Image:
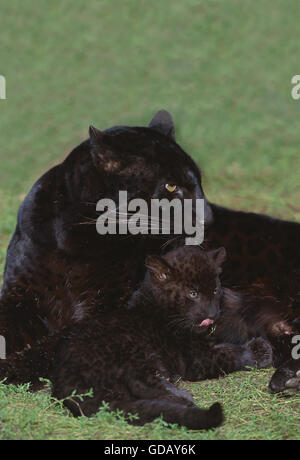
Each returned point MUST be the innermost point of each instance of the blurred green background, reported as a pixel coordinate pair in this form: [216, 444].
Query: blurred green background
[223, 68]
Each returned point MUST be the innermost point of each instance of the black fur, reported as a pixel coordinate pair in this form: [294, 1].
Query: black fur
[130, 359]
[59, 271]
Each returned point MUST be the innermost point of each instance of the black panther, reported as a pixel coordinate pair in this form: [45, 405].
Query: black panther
[59, 270]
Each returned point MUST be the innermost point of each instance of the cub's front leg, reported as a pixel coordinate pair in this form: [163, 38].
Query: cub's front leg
[226, 358]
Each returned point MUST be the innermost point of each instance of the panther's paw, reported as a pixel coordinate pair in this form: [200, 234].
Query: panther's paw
[294, 383]
[286, 378]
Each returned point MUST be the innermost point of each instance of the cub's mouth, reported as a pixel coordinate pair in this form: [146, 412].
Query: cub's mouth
[206, 322]
[205, 326]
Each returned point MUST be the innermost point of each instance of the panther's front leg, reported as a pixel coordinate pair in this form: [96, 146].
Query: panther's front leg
[28, 365]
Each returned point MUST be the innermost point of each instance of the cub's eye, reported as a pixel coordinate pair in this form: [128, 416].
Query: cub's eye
[216, 291]
[192, 295]
[171, 188]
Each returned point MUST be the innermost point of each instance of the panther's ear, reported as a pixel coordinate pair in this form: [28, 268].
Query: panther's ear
[218, 256]
[102, 155]
[163, 123]
[158, 268]
[96, 136]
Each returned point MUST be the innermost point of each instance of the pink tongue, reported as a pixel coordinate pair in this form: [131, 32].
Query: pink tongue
[207, 322]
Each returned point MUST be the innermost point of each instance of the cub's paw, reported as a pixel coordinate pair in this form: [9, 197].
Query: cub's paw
[215, 414]
[286, 378]
[258, 353]
[203, 419]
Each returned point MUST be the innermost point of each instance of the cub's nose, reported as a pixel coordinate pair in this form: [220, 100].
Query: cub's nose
[213, 312]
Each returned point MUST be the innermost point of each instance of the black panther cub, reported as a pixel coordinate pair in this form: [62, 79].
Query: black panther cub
[130, 359]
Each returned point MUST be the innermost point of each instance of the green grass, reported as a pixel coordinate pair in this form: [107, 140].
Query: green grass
[223, 69]
[250, 411]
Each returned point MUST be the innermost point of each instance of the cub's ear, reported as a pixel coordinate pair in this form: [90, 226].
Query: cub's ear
[218, 256]
[158, 268]
[163, 123]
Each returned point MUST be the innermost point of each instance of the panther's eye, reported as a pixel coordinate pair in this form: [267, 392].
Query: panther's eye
[171, 188]
[192, 294]
[216, 291]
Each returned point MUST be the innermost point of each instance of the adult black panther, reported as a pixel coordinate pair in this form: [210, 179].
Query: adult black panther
[59, 270]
